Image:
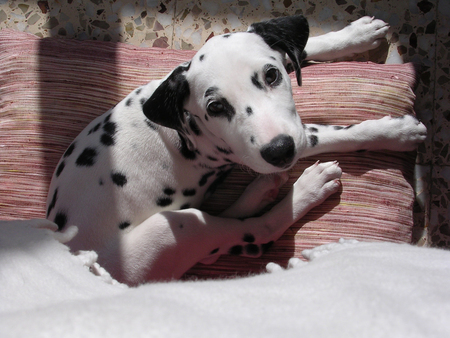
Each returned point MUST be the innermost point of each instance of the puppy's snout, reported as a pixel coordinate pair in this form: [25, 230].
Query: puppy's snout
[279, 151]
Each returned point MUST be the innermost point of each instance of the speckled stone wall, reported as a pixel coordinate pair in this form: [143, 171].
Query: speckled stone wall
[420, 32]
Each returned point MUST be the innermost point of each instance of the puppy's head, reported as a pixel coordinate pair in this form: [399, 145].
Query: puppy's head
[238, 92]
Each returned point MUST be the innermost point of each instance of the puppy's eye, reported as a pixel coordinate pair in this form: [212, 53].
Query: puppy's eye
[272, 76]
[216, 107]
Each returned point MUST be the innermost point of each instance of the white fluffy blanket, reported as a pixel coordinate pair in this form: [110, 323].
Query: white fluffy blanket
[347, 289]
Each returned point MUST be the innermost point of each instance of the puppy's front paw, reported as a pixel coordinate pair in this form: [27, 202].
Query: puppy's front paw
[403, 133]
[364, 34]
[317, 183]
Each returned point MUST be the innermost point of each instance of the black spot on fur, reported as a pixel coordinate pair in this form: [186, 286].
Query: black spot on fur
[189, 192]
[69, 150]
[252, 139]
[214, 251]
[348, 127]
[107, 118]
[236, 250]
[206, 117]
[256, 82]
[151, 125]
[142, 102]
[249, 238]
[107, 140]
[124, 225]
[313, 140]
[224, 167]
[221, 176]
[169, 191]
[60, 220]
[53, 202]
[224, 151]
[185, 151]
[205, 177]
[110, 128]
[87, 158]
[100, 182]
[252, 249]
[164, 201]
[118, 179]
[194, 126]
[138, 91]
[93, 130]
[265, 247]
[249, 111]
[185, 206]
[226, 36]
[338, 127]
[211, 158]
[313, 130]
[129, 102]
[60, 168]
[201, 57]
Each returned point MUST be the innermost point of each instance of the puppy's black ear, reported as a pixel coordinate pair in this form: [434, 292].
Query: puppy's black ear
[165, 106]
[288, 34]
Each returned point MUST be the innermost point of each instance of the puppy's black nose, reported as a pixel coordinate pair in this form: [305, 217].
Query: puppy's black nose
[279, 151]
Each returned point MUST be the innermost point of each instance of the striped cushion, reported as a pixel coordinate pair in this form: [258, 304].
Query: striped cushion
[50, 89]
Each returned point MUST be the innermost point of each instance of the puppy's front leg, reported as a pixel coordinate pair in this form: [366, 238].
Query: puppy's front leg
[169, 243]
[361, 35]
[399, 134]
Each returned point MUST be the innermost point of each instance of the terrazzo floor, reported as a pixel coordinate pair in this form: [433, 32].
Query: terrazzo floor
[420, 32]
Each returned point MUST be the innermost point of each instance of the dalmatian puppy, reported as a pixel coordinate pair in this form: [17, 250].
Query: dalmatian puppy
[133, 180]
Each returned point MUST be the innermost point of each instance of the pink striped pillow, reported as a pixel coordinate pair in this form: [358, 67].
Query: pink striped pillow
[50, 90]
